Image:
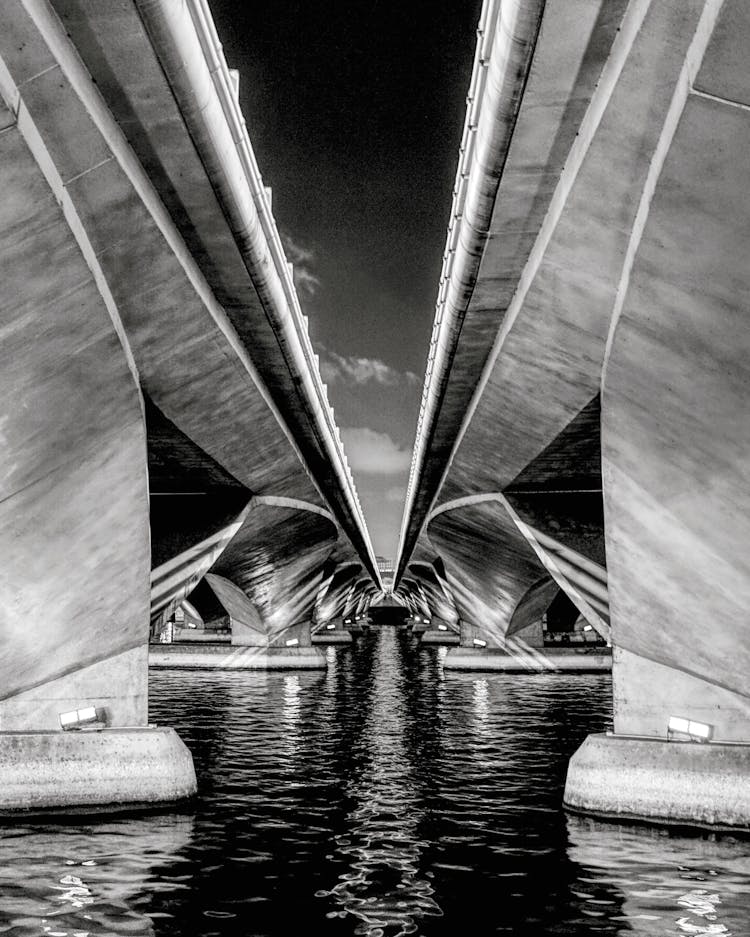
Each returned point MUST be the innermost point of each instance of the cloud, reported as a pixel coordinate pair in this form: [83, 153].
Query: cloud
[396, 495]
[303, 260]
[374, 453]
[351, 369]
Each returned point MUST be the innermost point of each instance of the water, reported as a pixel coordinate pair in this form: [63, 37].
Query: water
[381, 798]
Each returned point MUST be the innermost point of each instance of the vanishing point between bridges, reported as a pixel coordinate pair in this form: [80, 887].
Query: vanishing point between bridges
[220, 711]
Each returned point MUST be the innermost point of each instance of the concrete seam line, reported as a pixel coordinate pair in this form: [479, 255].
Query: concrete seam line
[691, 64]
[26, 127]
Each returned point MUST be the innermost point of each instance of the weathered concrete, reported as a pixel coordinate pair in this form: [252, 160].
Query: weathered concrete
[530, 660]
[221, 657]
[703, 784]
[91, 768]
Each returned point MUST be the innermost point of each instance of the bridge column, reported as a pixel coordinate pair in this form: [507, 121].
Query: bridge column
[335, 632]
[675, 445]
[74, 524]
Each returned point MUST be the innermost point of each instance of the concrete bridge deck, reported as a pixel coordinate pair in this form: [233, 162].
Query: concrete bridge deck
[582, 430]
[164, 411]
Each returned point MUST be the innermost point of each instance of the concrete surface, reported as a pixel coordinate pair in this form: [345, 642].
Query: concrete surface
[691, 783]
[108, 768]
[530, 660]
[221, 657]
[435, 636]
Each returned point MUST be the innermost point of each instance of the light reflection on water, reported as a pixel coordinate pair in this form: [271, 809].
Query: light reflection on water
[380, 798]
[383, 887]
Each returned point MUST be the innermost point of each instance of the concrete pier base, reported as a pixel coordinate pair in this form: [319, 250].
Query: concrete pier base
[543, 660]
[224, 657]
[685, 783]
[337, 636]
[434, 636]
[107, 768]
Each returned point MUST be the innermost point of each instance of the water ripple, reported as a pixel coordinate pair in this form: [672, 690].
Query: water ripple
[380, 798]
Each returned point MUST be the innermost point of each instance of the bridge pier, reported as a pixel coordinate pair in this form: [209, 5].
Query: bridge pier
[335, 632]
[74, 527]
[440, 632]
[675, 475]
[252, 645]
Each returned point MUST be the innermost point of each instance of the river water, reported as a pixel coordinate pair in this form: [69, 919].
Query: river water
[379, 798]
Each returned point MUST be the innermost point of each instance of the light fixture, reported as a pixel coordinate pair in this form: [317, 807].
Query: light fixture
[80, 718]
[347, 621]
[442, 627]
[588, 628]
[417, 619]
[330, 627]
[688, 729]
[478, 642]
[292, 642]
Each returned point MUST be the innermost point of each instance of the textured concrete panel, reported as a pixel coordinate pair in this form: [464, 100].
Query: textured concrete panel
[650, 779]
[107, 768]
[74, 508]
[675, 434]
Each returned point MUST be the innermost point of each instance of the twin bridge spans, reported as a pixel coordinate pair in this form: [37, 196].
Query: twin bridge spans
[583, 446]
[163, 412]
[582, 450]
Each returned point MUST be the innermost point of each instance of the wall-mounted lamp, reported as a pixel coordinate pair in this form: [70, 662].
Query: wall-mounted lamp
[292, 642]
[330, 627]
[442, 627]
[478, 642]
[87, 718]
[689, 730]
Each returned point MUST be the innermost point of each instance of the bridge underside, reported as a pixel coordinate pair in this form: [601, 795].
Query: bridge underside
[603, 449]
[167, 416]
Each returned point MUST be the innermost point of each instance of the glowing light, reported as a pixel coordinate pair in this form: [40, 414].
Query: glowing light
[330, 627]
[442, 627]
[76, 718]
[292, 642]
[695, 731]
[478, 642]
[588, 628]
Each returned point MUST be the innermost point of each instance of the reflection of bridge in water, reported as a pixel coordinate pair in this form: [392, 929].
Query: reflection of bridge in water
[577, 492]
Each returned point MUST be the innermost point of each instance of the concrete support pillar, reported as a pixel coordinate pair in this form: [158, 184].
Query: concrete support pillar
[674, 456]
[441, 632]
[252, 647]
[74, 524]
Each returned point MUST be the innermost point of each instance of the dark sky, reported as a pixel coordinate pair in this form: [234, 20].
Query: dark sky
[355, 113]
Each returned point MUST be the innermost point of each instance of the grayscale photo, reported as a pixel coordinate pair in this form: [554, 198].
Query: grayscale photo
[375, 466]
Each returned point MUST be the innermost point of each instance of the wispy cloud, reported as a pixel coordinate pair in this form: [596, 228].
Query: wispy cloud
[303, 260]
[374, 453]
[351, 369]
